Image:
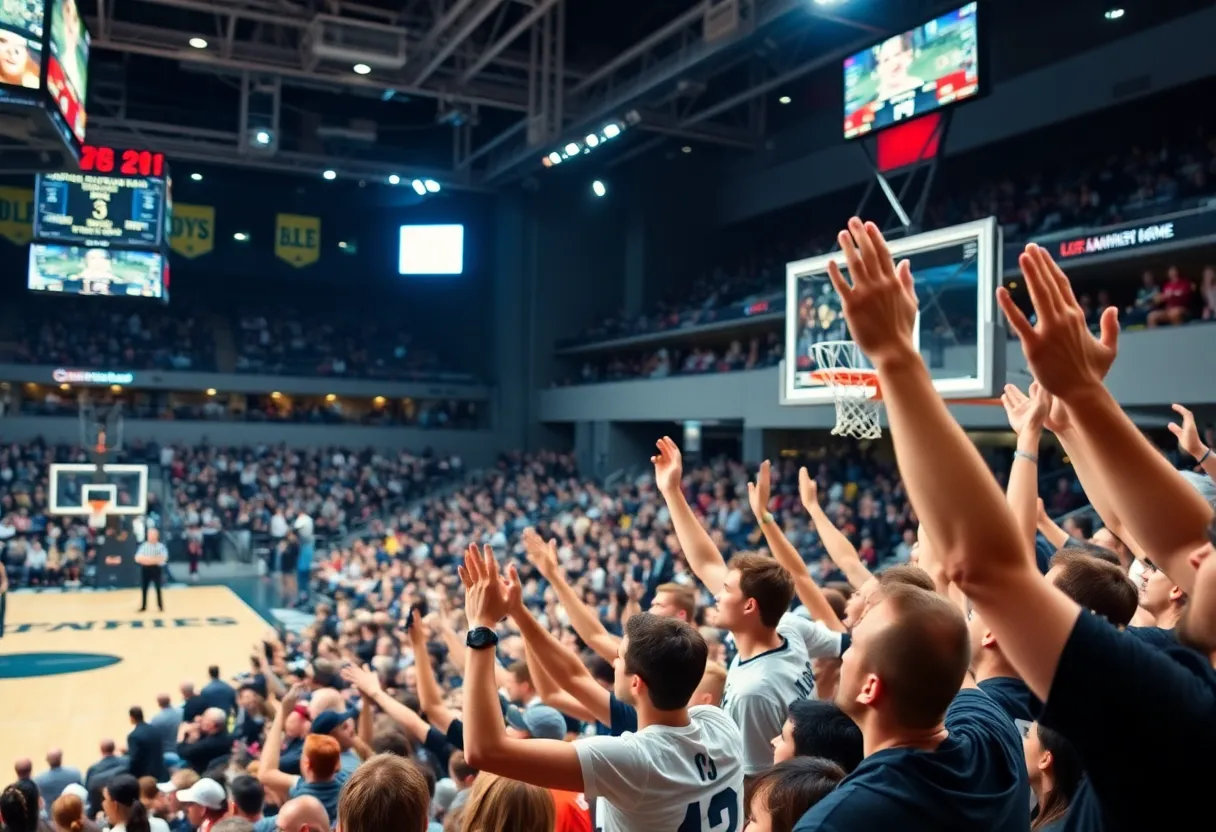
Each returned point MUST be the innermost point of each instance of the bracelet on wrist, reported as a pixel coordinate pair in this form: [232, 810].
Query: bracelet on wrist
[1026, 455]
[1205, 456]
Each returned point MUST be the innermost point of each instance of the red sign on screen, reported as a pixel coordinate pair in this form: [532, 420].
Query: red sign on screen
[910, 142]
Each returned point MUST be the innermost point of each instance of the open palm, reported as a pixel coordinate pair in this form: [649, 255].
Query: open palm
[668, 465]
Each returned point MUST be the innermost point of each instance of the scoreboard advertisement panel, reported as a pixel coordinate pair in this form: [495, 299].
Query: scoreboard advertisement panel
[80, 270]
[67, 70]
[84, 207]
[21, 44]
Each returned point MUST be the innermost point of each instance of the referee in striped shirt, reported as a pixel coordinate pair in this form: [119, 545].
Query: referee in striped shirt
[151, 557]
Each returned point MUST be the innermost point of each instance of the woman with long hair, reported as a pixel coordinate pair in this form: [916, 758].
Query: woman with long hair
[1055, 772]
[781, 796]
[68, 813]
[19, 807]
[124, 810]
[498, 804]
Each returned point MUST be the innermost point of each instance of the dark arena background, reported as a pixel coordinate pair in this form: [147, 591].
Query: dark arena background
[300, 300]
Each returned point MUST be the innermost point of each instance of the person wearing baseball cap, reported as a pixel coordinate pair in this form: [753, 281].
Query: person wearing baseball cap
[543, 722]
[206, 803]
[341, 726]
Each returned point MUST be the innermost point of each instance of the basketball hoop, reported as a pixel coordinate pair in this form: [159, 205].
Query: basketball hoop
[855, 388]
[97, 512]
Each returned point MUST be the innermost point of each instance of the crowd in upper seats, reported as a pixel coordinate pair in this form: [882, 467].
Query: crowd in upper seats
[256, 493]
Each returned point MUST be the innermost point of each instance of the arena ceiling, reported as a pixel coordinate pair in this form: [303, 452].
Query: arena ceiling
[473, 92]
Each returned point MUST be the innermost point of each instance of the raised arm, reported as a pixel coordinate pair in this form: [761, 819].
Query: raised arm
[808, 591]
[268, 770]
[1049, 528]
[1190, 443]
[838, 547]
[1026, 417]
[1166, 516]
[369, 685]
[430, 695]
[550, 693]
[973, 532]
[583, 619]
[703, 557]
[553, 764]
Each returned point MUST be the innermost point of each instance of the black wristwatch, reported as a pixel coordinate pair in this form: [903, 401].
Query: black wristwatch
[479, 638]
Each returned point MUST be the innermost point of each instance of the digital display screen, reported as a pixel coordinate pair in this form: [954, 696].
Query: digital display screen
[21, 44]
[79, 270]
[67, 71]
[914, 73]
[431, 249]
[83, 207]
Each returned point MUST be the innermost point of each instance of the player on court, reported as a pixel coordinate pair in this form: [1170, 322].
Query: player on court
[680, 771]
[772, 667]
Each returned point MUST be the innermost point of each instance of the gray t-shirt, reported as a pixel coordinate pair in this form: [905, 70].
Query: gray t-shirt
[759, 690]
[326, 792]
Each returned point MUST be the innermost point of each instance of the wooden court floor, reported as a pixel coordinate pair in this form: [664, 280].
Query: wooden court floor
[73, 663]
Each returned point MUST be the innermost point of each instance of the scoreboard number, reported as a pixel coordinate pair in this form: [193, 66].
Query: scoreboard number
[100, 210]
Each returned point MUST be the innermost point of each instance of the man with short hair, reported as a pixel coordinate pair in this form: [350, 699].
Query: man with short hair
[519, 687]
[246, 797]
[166, 722]
[100, 773]
[815, 728]
[52, 781]
[217, 693]
[387, 792]
[680, 770]
[145, 748]
[205, 741]
[151, 557]
[321, 773]
[341, 726]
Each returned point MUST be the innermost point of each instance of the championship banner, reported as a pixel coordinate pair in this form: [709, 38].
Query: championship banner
[16, 214]
[297, 239]
[193, 229]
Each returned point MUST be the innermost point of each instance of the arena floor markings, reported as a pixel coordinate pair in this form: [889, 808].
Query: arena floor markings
[73, 663]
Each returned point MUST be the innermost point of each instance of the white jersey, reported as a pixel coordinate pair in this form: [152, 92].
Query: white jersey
[759, 690]
[664, 779]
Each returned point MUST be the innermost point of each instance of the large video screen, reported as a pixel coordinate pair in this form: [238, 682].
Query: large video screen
[67, 71]
[20, 44]
[914, 73]
[81, 270]
[78, 207]
[431, 249]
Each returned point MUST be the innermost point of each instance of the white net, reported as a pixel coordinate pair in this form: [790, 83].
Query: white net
[842, 369]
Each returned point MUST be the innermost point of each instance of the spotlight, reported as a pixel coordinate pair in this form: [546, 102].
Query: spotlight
[362, 69]
[394, 179]
[198, 43]
[592, 140]
[597, 188]
[262, 137]
[1114, 14]
[241, 237]
[686, 149]
[555, 158]
[431, 185]
[329, 175]
[419, 187]
[611, 131]
[785, 99]
[572, 149]
[197, 177]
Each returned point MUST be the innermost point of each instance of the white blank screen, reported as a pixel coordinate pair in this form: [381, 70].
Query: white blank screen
[431, 249]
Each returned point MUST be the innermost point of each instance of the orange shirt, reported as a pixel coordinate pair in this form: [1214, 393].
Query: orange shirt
[573, 813]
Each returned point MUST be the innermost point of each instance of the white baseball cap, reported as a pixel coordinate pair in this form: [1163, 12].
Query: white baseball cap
[205, 792]
[77, 790]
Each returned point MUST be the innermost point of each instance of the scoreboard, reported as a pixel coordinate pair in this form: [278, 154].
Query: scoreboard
[103, 230]
[84, 207]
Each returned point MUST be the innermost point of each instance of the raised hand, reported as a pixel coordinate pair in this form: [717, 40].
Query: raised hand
[365, 680]
[880, 304]
[1061, 352]
[758, 492]
[420, 631]
[541, 554]
[808, 489]
[488, 596]
[1187, 433]
[292, 697]
[1027, 411]
[668, 466]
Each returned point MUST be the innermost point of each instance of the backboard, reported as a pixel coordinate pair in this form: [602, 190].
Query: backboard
[956, 272]
[73, 485]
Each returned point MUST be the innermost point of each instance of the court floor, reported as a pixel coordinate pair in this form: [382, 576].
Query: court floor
[73, 663]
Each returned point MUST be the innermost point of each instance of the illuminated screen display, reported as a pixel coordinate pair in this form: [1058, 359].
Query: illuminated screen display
[20, 44]
[79, 270]
[431, 249]
[67, 71]
[914, 73]
[83, 207]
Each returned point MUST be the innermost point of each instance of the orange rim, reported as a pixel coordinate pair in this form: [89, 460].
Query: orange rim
[99, 506]
[869, 379]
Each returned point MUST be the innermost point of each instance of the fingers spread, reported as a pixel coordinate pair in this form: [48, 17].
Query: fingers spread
[1017, 320]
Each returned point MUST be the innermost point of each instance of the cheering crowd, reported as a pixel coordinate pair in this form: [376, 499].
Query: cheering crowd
[976, 686]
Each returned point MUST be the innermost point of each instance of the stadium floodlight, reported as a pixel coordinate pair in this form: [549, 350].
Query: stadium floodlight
[572, 149]
[598, 188]
[431, 185]
[555, 158]
[262, 137]
[241, 237]
[785, 99]
[198, 43]
[1114, 14]
[419, 187]
[611, 131]
[197, 177]
[592, 140]
[394, 179]
[362, 69]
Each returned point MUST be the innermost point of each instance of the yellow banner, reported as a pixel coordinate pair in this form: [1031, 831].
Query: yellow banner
[297, 239]
[193, 229]
[16, 214]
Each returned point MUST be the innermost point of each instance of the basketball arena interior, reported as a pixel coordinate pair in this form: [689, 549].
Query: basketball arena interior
[623, 415]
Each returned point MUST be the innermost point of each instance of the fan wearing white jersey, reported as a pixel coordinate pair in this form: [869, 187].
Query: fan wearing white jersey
[773, 664]
[680, 771]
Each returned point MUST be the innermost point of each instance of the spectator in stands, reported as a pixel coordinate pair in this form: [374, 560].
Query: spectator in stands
[499, 804]
[784, 793]
[124, 810]
[51, 782]
[1207, 290]
[1176, 299]
[300, 814]
[206, 803]
[20, 805]
[205, 740]
[145, 748]
[217, 693]
[387, 792]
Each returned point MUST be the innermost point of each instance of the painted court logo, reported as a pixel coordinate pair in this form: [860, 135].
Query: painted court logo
[118, 624]
[28, 665]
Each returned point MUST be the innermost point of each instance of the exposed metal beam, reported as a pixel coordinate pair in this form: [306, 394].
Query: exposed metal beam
[493, 50]
[441, 25]
[279, 18]
[502, 137]
[475, 19]
[846, 21]
[642, 47]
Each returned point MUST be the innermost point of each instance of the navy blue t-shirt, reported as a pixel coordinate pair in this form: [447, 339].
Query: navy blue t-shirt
[624, 717]
[1156, 636]
[1013, 696]
[1104, 675]
[974, 780]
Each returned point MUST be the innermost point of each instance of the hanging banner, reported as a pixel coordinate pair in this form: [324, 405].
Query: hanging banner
[16, 214]
[193, 229]
[297, 239]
